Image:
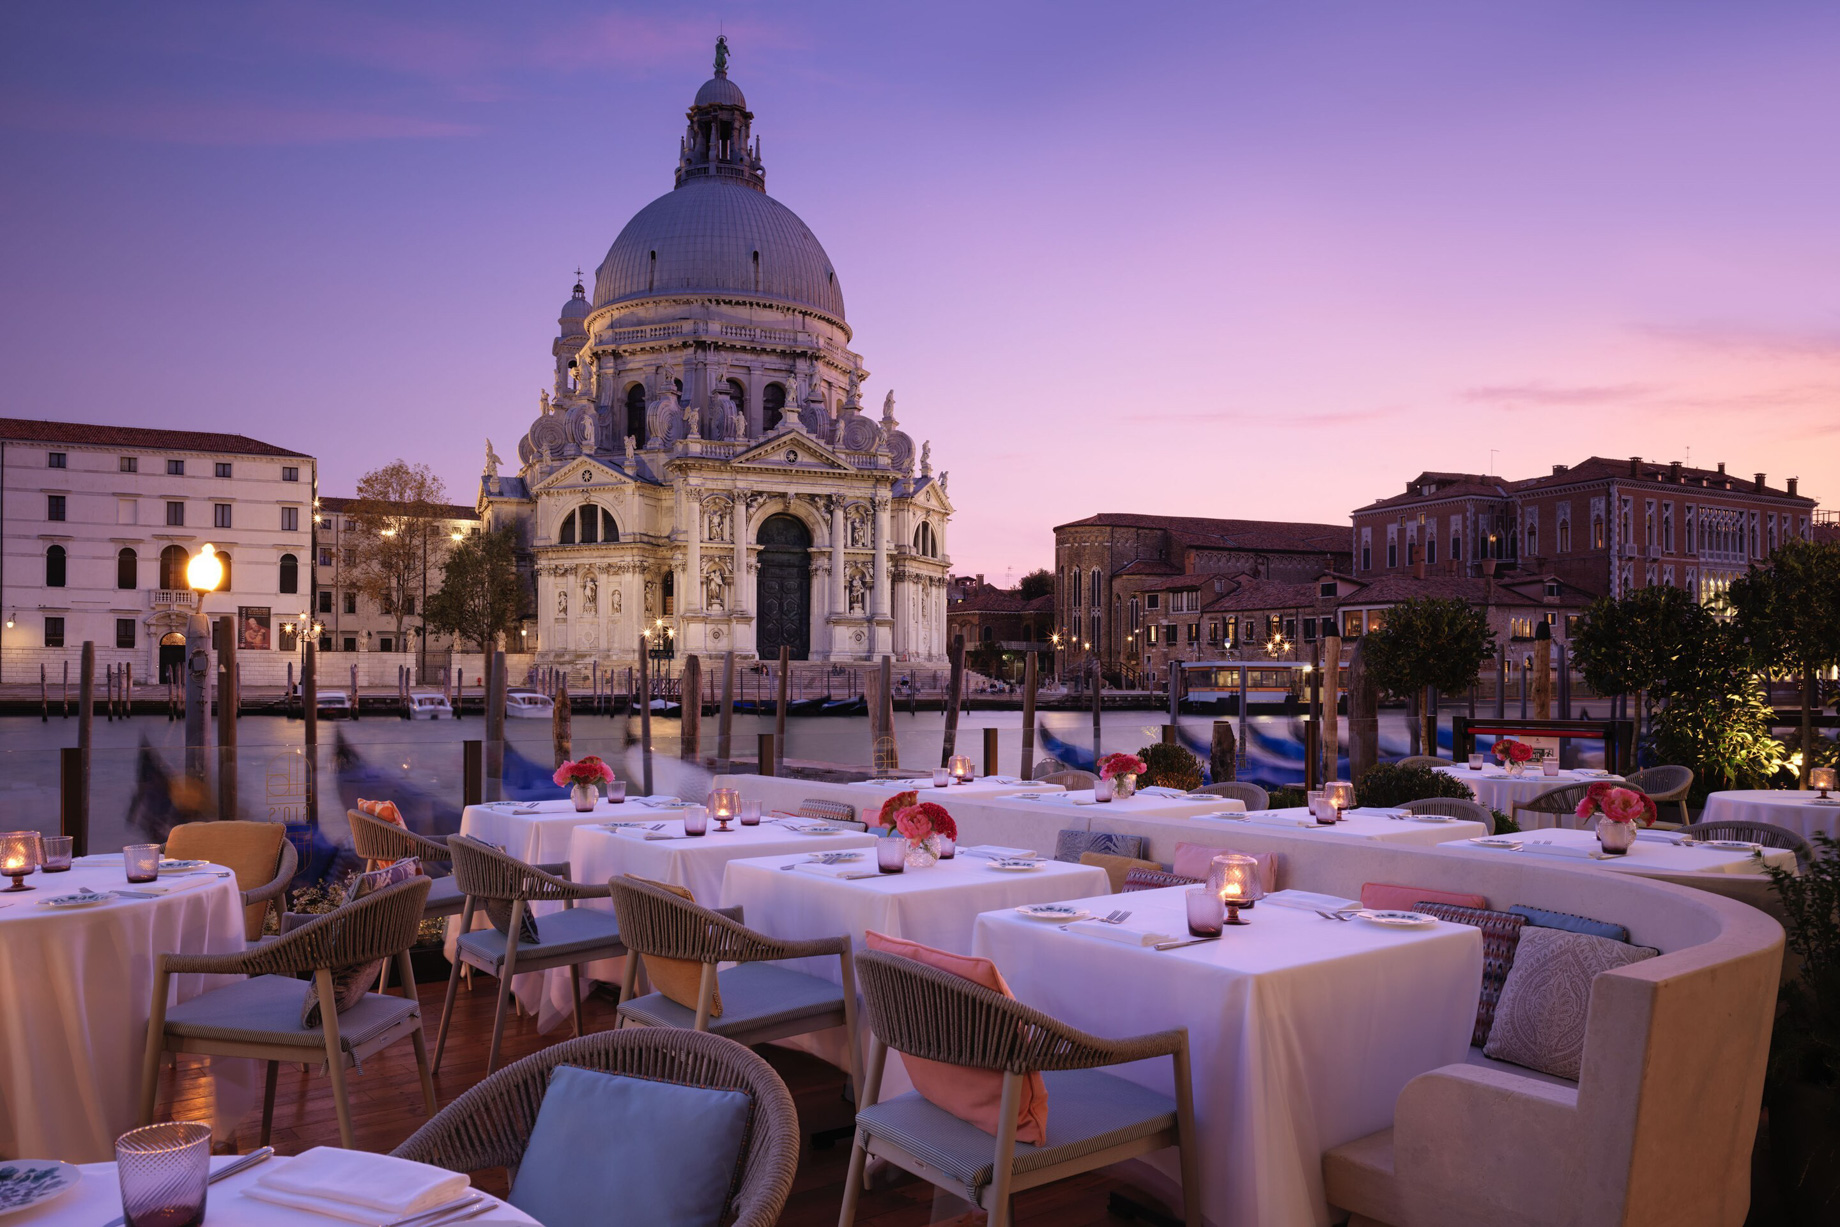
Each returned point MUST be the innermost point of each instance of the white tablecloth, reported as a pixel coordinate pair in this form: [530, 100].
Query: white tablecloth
[1019, 821]
[1163, 834]
[1788, 807]
[97, 1199]
[938, 906]
[784, 793]
[1302, 1031]
[1498, 790]
[1647, 856]
[75, 990]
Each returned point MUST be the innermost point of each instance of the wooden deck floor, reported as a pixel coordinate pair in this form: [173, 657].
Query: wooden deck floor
[387, 1108]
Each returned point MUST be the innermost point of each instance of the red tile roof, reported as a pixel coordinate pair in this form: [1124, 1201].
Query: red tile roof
[1266, 594]
[88, 434]
[1591, 469]
[1264, 536]
[1529, 590]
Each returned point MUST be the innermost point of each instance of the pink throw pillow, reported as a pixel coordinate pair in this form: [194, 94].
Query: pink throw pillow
[1192, 861]
[1393, 897]
[972, 1095]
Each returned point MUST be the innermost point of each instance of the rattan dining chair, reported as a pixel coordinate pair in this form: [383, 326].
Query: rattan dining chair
[1422, 760]
[259, 853]
[760, 1001]
[1560, 802]
[1666, 785]
[489, 1125]
[1766, 833]
[1094, 1118]
[380, 842]
[260, 1017]
[1072, 779]
[1256, 798]
[1453, 807]
[501, 883]
[1047, 767]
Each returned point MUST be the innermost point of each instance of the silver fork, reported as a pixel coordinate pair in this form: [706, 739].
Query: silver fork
[1332, 915]
[1115, 918]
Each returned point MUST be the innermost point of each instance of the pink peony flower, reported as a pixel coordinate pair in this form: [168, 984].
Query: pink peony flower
[916, 822]
[1114, 765]
[588, 770]
[893, 806]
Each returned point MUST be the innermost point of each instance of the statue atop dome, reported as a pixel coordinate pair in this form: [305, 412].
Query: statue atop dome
[721, 55]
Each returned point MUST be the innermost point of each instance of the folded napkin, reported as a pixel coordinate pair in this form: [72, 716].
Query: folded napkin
[845, 870]
[1004, 779]
[1231, 805]
[1158, 790]
[358, 1186]
[642, 833]
[1664, 837]
[1269, 818]
[1376, 812]
[1125, 933]
[1544, 847]
[995, 851]
[660, 801]
[1309, 901]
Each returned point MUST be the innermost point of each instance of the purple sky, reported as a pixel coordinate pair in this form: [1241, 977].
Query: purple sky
[1240, 259]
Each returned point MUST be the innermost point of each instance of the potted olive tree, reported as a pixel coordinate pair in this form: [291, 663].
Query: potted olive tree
[1803, 1091]
[1428, 643]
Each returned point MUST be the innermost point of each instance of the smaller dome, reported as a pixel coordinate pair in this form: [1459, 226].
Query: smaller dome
[719, 91]
[577, 307]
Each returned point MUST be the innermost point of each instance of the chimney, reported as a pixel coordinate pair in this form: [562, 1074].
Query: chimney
[1558, 469]
[1792, 482]
[1488, 581]
[1418, 566]
[1635, 466]
[1674, 471]
[1721, 468]
[1760, 483]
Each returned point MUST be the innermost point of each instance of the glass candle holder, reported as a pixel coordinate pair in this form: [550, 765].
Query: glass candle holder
[1549, 766]
[1823, 779]
[1475, 762]
[948, 847]
[891, 854]
[724, 807]
[1235, 879]
[961, 768]
[141, 862]
[1205, 912]
[1340, 795]
[164, 1171]
[54, 853]
[616, 791]
[941, 777]
[750, 813]
[696, 821]
[18, 857]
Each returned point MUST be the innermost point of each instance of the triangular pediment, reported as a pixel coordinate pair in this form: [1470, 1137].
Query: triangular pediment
[932, 497]
[582, 473]
[793, 449]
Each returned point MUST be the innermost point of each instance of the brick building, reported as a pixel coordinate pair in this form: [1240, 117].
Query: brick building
[1001, 617]
[353, 622]
[1603, 526]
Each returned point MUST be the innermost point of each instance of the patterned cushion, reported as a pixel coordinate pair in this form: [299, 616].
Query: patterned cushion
[384, 811]
[827, 811]
[1154, 879]
[1501, 934]
[498, 911]
[349, 984]
[1068, 845]
[1543, 919]
[1117, 868]
[1541, 1019]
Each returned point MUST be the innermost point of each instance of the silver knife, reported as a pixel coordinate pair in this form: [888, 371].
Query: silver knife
[1193, 941]
[472, 1200]
[223, 1173]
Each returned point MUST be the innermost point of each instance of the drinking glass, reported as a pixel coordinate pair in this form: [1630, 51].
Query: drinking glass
[941, 778]
[891, 854]
[1549, 766]
[1205, 912]
[1103, 790]
[56, 857]
[163, 1171]
[1475, 762]
[696, 821]
[948, 847]
[616, 791]
[142, 862]
[750, 813]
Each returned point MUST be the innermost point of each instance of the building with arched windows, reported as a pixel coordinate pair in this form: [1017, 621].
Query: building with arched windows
[702, 461]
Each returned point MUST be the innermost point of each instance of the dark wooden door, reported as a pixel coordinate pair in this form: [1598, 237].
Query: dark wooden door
[784, 596]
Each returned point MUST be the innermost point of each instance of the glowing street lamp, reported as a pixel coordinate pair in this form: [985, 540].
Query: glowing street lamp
[204, 572]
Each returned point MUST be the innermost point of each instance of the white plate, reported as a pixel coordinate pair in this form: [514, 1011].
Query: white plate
[1060, 913]
[1734, 845]
[176, 866]
[819, 830]
[1431, 818]
[1013, 864]
[1397, 920]
[33, 1182]
[832, 858]
[77, 900]
[1497, 841]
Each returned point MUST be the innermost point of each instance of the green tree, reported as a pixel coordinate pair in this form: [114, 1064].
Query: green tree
[1788, 615]
[1038, 583]
[1428, 642]
[396, 517]
[481, 594]
[1635, 644]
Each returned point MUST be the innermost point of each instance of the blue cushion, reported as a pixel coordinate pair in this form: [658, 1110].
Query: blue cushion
[1068, 845]
[1540, 918]
[606, 1147]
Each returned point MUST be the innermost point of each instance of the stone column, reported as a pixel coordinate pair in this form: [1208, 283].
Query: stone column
[840, 603]
[738, 518]
[880, 594]
[693, 555]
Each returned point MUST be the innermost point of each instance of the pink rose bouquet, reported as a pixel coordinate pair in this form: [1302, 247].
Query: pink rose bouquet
[1617, 804]
[918, 822]
[590, 770]
[894, 805]
[1114, 765]
[1508, 750]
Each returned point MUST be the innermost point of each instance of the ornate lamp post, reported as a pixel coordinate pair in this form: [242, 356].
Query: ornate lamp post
[202, 574]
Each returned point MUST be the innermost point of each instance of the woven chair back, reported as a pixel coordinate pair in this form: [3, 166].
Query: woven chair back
[1453, 807]
[1423, 760]
[1047, 767]
[656, 922]
[1665, 782]
[1561, 800]
[488, 873]
[377, 840]
[1256, 798]
[378, 926]
[1070, 779]
[1766, 833]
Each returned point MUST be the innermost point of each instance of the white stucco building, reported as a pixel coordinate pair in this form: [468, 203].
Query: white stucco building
[703, 456]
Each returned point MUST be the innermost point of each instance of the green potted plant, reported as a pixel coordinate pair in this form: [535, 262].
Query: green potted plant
[1428, 643]
[1803, 1089]
[1389, 785]
[1169, 766]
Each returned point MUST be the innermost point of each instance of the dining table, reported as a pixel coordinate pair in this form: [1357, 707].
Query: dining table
[1802, 810]
[786, 794]
[1302, 1028]
[76, 990]
[96, 1198]
[1654, 852]
[1501, 791]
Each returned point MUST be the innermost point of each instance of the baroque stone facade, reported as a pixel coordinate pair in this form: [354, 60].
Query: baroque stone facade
[703, 462]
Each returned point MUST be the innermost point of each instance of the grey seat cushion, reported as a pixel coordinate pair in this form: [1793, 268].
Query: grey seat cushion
[1088, 1111]
[444, 898]
[575, 930]
[266, 1009]
[754, 995]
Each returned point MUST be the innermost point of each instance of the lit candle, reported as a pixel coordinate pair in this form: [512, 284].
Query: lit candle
[724, 805]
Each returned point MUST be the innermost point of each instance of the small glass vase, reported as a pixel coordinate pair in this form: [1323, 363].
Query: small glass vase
[922, 853]
[584, 796]
[1516, 770]
[1616, 837]
[1123, 786]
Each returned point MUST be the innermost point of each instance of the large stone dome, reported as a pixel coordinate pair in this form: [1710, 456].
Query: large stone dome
[715, 236]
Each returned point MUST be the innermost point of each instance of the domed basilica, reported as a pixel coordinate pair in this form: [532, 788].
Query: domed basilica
[704, 457]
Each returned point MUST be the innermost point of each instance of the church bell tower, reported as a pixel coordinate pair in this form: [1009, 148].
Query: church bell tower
[716, 145]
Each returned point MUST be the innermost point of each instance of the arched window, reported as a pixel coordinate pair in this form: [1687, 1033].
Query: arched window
[290, 573]
[172, 567]
[989, 633]
[772, 406]
[925, 544]
[1097, 599]
[737, 394]
[127, 569]
[54, 567]
[670, 593]
[588, 524]
[635, 413]
[610, 532]
[566, 536]
[223, 585]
